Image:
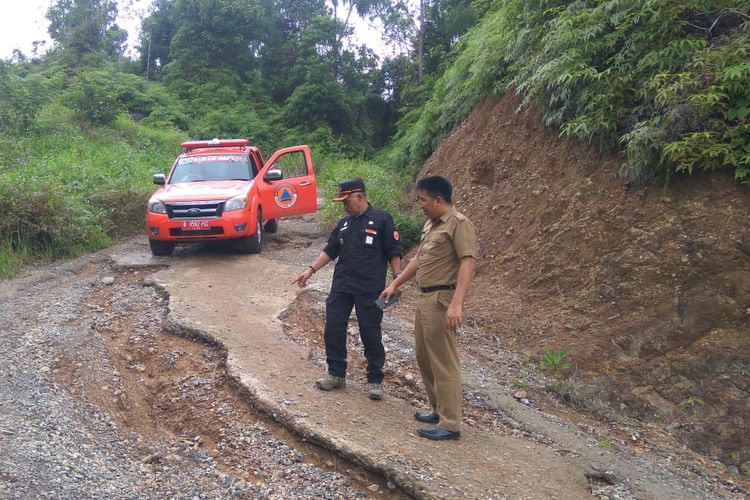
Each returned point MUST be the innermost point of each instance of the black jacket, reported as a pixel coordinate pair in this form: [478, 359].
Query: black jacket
[364, 246]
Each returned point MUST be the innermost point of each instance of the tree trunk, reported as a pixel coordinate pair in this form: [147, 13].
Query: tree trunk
[420, 42]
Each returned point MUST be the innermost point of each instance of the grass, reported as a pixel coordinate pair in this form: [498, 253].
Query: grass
[66, 189]
[606, 444]
[691, 404]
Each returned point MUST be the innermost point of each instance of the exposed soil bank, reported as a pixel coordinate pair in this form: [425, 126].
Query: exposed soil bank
[650, 288]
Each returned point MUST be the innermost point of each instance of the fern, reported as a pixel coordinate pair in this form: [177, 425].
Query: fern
[662, 81]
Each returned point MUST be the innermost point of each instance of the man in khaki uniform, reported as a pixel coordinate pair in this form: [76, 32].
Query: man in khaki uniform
[444, 267]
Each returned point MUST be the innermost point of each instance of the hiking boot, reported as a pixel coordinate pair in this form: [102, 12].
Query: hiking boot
[437, 434]
[329, 383]
[375, 391]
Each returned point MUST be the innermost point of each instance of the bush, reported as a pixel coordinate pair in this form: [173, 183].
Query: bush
[70, 192]
[44, 225]
[666, 82]
[22, 98]
[93, 97]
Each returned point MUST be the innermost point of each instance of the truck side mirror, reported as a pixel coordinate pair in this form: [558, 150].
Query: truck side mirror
[273, 174]
[160, 179]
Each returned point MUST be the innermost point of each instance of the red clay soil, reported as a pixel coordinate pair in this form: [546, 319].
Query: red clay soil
[649, 288]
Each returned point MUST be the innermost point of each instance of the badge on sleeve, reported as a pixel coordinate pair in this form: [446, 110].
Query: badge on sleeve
[395, 235]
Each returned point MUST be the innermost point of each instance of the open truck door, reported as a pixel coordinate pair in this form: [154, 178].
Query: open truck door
[287, 183]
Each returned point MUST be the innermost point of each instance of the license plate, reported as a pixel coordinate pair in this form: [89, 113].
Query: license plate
[196, 225]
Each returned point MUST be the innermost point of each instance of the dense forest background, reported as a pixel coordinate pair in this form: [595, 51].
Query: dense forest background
[83, 127]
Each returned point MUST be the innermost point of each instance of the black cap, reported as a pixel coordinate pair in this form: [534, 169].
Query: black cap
[348, 187]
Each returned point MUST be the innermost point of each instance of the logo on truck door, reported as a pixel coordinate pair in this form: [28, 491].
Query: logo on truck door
[285, 195]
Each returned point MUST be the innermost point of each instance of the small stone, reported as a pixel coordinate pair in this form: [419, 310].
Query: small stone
[409, 377]
[519, 394]
[373, 487]
[390, 485]
[152, 459]
[108, 280]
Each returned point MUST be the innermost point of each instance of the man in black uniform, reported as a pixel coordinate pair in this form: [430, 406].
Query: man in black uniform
[364, 242]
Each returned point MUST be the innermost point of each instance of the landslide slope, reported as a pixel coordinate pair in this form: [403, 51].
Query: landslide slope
[649, 287]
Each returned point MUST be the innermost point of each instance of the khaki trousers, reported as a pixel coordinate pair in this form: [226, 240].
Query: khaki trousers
[437, 358]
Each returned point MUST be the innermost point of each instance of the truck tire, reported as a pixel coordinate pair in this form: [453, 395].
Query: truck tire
[254, 242]
[271, 226]
[161, 248]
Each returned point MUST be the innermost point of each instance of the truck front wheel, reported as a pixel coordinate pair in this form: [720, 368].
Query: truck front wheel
[254, 242]
[271, 226]
[161, 248]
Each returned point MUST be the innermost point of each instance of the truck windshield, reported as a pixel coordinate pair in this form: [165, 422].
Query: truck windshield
[211, 168]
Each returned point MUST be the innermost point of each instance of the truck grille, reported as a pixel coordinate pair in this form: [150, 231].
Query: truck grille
[214, 231]
[195, 209]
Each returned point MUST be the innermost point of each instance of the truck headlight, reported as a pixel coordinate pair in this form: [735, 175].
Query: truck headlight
[236, 203]
[157, 207]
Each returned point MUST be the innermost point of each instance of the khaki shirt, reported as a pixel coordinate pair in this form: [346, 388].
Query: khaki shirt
[445, 241]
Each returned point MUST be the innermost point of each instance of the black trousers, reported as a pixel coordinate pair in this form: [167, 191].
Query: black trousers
[338, 309]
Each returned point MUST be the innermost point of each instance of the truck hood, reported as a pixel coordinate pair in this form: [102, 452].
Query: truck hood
[200, 191]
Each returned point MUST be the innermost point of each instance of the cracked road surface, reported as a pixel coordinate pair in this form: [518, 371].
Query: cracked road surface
[127, 375]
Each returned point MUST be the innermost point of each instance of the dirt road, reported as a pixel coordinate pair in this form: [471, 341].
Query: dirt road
[127, 375]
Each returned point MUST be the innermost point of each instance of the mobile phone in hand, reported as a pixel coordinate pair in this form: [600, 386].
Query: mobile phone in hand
[381, 303]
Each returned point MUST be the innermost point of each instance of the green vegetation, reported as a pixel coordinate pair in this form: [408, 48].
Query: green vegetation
[668, 83]
[64, 190]
[82, 127]
[606, 444]
[691, 404]
[555, 362]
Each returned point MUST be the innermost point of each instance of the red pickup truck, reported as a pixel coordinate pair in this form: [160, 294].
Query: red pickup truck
[223, 190]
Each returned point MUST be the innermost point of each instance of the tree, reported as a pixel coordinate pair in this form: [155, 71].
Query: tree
[85, 28]
[22, 97]
[157, 31]
[428, 28]
[277, 61]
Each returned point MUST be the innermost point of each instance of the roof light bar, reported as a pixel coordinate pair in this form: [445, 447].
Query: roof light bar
[214, 143]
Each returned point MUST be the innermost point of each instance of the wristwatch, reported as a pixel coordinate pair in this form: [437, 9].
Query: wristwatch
[396, 274]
